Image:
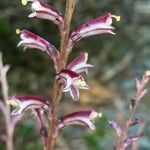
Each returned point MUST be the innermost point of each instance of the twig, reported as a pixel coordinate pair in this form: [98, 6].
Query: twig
[70, 4]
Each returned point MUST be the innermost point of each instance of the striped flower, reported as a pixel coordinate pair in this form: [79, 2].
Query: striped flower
[100, 25]
[43, 10]
[84, 118]
[72, 79]
[26, 102]
[31, 40]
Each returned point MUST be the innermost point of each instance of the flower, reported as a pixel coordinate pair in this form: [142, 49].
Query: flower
[42, 10]
[99, 25]
[25, 102]
[31, 40]
[79, 118]
[73, 81]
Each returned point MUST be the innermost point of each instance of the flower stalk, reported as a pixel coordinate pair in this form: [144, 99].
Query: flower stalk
[70, 4]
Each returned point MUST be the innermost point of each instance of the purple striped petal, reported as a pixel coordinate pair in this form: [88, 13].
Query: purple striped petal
[31, 40]
[84, 118]
[25, 102]
[43, 10]
[79, 64]
[74, 92]
[100, 25]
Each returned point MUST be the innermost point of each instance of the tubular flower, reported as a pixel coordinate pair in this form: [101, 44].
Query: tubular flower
[43, 10]
[25, 102]
[72, 79]
[99, 25]
[79, 118]
[31, 40]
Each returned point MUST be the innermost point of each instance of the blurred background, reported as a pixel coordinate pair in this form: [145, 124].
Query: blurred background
[118, 60]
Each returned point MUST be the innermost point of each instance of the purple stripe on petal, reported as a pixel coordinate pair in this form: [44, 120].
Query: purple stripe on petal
[71, 73]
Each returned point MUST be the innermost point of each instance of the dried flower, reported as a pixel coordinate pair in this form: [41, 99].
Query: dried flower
[73, 81]
[115, 126]
[100, 25]
[130, 139]
[25, 102]
[79, 118]
[42, 10]
[31, 40]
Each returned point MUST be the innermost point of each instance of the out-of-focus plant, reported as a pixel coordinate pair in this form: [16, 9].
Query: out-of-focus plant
[68, 78]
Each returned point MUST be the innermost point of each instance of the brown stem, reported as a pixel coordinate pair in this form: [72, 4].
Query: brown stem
[70, 4]
[64, 52]
[53, 118]
[4, 86]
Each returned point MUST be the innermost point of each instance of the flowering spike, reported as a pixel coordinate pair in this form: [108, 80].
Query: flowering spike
[31, 40]
[99, 25]
[79, 118]
[42, 10]
[25, 102]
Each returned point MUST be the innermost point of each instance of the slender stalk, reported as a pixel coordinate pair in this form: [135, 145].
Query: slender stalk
[70, 4]
[4, 86]
[64, 52]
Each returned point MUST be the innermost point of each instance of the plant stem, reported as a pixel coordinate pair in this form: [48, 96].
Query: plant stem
[70, 4]
[4, 86]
